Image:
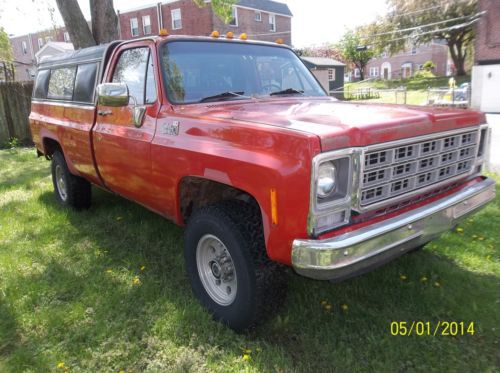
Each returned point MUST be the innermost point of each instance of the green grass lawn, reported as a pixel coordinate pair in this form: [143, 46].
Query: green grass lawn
[105, 290]
[417, 89]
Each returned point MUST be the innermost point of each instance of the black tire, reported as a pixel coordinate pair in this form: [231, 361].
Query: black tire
[70, 190]
[261, 283]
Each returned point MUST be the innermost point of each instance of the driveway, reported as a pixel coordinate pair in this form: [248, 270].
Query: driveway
[494, 121]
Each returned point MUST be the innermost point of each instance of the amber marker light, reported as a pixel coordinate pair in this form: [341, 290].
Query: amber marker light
[215, 34]
[229, 35]
[274, 206]
[163, 32]
[280, 41]
[243, 36]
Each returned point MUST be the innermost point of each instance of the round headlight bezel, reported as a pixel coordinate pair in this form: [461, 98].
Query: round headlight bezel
[326, 183]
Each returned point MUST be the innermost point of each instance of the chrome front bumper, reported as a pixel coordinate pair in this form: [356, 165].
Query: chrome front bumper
[356, 252]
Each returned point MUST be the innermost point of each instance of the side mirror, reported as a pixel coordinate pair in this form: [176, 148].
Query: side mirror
[112, 94]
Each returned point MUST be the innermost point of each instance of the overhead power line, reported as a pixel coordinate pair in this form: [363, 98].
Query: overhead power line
[472, 17]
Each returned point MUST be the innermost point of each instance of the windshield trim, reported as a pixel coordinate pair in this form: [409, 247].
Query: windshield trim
[163, 44]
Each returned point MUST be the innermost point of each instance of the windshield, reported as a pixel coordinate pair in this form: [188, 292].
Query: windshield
[215, 71]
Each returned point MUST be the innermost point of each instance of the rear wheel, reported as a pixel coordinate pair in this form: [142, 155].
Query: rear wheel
[70, 190]
[228, 267]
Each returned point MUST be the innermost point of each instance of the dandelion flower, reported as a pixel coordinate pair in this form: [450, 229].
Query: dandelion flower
[246, 357]
[480, 238]
[423, 279]
[118, 218]
[345, 307]
[109, 271]
[328, 307]
[136, 280]
[61, 365]
[324, 302]
[143, 268]
[437, 284]
[460, 230]
[403, 277]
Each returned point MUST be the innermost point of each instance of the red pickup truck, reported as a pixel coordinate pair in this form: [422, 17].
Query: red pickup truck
[237, 141]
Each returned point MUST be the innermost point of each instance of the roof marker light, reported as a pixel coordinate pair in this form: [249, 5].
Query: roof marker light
[163, 32]
[243, 36]
[215, 34]
[229, 35]
[280, 41]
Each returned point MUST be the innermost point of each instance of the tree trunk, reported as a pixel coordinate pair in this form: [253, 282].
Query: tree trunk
[75, 23]
[458, 57]
[104, 21]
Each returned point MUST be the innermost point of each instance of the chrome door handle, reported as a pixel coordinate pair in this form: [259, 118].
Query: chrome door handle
[104, 112]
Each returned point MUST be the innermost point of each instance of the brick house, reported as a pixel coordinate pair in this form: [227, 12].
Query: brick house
[408, 62]
[486, 69]
[261, 19]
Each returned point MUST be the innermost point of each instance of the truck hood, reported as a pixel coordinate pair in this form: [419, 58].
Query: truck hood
[339, 124]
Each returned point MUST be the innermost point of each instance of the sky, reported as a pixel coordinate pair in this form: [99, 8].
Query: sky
[315, 22]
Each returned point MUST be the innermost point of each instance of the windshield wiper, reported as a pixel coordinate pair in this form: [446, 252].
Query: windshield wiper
[288, 91]
[223, 96]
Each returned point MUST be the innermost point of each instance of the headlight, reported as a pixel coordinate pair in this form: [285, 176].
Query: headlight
[327, 179]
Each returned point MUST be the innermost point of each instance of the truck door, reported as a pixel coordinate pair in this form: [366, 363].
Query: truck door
[122, 149]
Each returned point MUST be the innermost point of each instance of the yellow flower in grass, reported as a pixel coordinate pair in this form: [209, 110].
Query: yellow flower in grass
[136, 280]
[246, 357]
[143, 268]
[474, 236]
[328, 307]
[344, 307]
[118, 218]
[61, 365]
[403, 277]
[480, 238]
[460, 230]
[423, 279]
[437, 284]
[324, 303]
[109, 271]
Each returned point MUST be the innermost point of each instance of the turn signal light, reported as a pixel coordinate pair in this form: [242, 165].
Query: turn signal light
[215, 34]
[163, 32]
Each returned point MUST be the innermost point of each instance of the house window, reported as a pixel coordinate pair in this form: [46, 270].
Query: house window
[406, 70]
[40, 43]
[66, 37]
[234, 16]
[272, 22]
[356, 73]
[373, 71]
[331, 75]
[146, 25]
[258, 16]
[25, 47]
[176, 19]
[48, 38]
[134, 27]
[414, 50]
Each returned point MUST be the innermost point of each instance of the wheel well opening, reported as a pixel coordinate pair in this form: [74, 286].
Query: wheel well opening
[197, 192]
[50, 146]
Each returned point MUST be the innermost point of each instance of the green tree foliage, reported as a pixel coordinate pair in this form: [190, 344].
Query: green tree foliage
[221, 8]
[5, 47]
[353, 48]
[413, 22]
[6, 59]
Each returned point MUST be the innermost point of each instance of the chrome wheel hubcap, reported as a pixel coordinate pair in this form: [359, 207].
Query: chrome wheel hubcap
[216, 270]
[61, 183]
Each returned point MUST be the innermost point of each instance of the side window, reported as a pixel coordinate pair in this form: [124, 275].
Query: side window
[41, 84]
[85, 83]
[150, 82]
[61, 83]
[131, 70]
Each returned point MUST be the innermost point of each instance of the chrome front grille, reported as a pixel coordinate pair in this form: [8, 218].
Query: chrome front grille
[407, 167]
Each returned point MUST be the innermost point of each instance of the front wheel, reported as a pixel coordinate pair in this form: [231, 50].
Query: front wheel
[228, 267]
